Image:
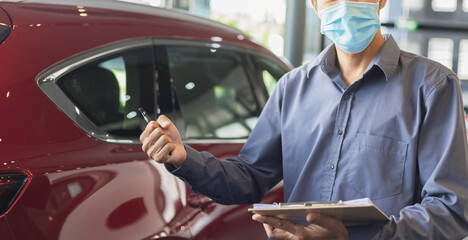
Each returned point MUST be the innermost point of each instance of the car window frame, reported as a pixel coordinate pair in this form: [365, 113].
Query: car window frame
[47, 82]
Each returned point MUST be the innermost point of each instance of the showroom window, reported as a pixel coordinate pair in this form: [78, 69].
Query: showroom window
[463, 60]
[213, 92]
[109, 91]
[444, 5]
[411, 45]
[413, 5]
[269, 71]
[441, 50]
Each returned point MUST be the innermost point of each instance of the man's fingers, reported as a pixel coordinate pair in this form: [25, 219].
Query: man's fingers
[273, 232]
[148, 130]
[161, 141]
[162, 154]
[152, 138]
[170, 128]
[164, 121]
[277, 224]
[321, 227]
[331, 224]
[268, 229]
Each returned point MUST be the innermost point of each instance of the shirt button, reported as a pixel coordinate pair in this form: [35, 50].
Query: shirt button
[332, 166]
[340, 132]
[346, 97]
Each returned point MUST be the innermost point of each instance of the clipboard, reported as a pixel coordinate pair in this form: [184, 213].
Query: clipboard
[355, 212]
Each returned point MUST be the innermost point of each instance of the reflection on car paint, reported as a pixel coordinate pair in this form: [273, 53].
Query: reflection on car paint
[88, 198]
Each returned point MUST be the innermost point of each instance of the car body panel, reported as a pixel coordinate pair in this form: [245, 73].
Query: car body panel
[77, 203]
[5, 230]
[82, 187]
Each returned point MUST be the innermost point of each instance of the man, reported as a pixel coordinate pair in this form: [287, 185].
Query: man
[363, 120]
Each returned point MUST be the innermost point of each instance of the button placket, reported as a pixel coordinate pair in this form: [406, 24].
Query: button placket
[342, 117]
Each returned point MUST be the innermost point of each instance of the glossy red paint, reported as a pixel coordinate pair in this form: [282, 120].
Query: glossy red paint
[23, 189]
[5, 230]
[80, 187]
[4, 19]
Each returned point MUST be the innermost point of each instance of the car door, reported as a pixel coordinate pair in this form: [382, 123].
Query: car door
[115, 191]
[206, 90]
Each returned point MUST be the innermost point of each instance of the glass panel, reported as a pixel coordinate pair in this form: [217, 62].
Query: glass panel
[411, 46]
[117, 67]
[4, 31]
[463, 60]
[214, 94]
[269, 81]
[413, 5]
[444, 5]
[109, 91]
[441, 50]
[269, 71]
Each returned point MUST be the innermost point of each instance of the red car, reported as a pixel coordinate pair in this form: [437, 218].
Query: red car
[72, 79]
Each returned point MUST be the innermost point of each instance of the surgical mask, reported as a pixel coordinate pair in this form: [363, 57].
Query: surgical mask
[351, 25]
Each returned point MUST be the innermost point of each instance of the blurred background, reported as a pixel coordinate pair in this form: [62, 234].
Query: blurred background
[437, 29]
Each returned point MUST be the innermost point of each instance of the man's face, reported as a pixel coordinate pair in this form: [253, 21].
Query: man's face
[323, 4]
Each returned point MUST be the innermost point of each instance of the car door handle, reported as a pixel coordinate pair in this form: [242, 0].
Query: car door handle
[199, 201]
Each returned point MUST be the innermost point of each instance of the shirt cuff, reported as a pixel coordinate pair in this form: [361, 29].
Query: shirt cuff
[192, 168]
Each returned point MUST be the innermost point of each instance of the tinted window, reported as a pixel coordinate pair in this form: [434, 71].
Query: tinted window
[5, 25]
[268, 71]
[213, 92]
[109, 91]
[4, 31]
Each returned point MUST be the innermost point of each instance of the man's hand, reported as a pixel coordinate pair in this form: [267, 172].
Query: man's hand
[161, 141]
[321, 227]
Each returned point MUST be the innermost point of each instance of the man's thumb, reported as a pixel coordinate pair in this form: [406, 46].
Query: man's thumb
[164, 122]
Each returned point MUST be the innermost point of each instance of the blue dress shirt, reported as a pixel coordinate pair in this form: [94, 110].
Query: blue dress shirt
[396, 136]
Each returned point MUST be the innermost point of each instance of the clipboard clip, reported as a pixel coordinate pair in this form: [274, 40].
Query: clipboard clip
[310, 203]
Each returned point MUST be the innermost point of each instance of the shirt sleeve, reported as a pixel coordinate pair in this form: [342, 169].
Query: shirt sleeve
[441, 211]
[248, 177]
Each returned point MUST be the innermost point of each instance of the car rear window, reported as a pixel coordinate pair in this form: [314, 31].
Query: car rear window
[4, 31]
[5, 24]
[110, 90]
[215, 96]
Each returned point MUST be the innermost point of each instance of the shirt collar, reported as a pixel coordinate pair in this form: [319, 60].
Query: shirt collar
[386, 59]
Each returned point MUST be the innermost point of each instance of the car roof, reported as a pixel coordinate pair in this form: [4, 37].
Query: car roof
[175, 23]
[137, 8]
[58, 26]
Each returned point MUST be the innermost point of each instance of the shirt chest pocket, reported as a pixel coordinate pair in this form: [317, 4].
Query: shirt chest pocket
[377, 166]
